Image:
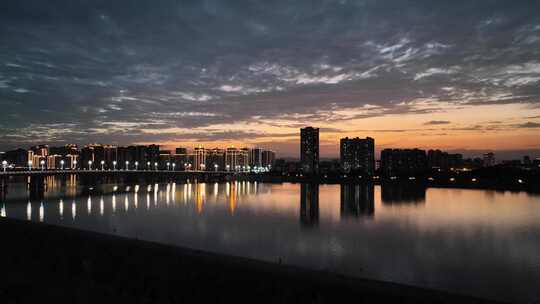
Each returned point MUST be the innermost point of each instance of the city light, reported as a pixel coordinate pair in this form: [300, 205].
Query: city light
[114, 165]
[136, 165]
[30, 165]
[127, 165]
[74, 164]
[102, 165]
[4, 165]
[89, 165]
[42, 163]
[62, 164]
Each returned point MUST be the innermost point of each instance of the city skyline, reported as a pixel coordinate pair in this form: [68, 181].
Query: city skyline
[172, 73]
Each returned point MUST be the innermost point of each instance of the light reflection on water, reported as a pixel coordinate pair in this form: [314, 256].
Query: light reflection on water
[467, 241]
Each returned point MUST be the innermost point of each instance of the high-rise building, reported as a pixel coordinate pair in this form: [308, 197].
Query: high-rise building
[309, 149]
[438, 159]
[231, 158]
[200, 158]
[64, 150]
[19, 157]
[268, 158]
[94, 153]
[255, 157]
[152, 153]
[40, 150]
[215, 159]
[358, 155]
[403, 161]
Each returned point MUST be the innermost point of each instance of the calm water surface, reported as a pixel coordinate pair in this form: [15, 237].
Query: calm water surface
[475, 242]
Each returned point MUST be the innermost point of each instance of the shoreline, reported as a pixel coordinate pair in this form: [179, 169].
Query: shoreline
[70, 265]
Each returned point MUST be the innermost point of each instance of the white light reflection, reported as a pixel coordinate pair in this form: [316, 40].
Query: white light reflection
[167, 194]
[126, 203]
[136, 200]
[147, 201]
[184, 194]
[216, 189]
[89, 204]
[29, 211]
[101, 206]
[155, 194]
[41, 212]
[114, 203]
[173, 193]
[73, 210]
[61, 208]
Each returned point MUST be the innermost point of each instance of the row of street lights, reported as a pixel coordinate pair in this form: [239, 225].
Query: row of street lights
[169, 165]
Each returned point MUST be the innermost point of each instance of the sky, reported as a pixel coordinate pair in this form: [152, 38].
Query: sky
[455, 75]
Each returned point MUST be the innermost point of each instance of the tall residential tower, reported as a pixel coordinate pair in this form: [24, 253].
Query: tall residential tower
[309, 149]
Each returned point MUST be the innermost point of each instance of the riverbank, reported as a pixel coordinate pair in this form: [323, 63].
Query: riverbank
[42, 262]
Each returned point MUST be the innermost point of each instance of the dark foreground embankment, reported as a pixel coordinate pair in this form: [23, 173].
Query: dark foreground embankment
[42, 263]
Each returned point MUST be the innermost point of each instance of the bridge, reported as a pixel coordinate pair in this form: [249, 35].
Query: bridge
[189, 173]
[37, 180]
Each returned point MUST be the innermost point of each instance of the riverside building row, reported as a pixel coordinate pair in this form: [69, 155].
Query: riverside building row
[140, 157]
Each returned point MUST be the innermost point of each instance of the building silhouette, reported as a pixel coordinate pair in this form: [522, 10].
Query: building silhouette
[309, 150]
[438, 159]
[403, 162]
[489, 159]
[268, 158]
[357, 155]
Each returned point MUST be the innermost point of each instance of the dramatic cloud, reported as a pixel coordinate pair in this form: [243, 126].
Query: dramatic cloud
[140, 71]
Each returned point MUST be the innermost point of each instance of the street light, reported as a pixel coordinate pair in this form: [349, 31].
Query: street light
[30, 165]
[202, 167]
[216, 166]
[89, 165]
[136, 165]
[168, 165]
[173, 165]
[62, 164]
[4, 165]
[155, 165]
[74, 164]
[42, 162]
[148, 166]
[114, 165]
[127, 165]
[102, 165]
[227, 167]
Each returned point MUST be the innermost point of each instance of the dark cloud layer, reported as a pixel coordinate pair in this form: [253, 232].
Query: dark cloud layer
[82, 70]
